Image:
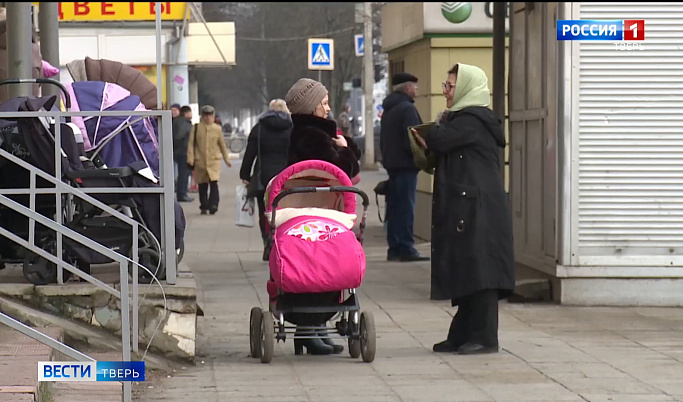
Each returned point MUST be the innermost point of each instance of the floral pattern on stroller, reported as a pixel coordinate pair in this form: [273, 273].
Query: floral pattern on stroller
[311, 208]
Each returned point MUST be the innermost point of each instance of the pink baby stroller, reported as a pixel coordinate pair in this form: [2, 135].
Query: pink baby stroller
[316, 262]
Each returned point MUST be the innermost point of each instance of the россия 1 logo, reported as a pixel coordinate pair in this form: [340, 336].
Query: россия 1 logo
[602, 30]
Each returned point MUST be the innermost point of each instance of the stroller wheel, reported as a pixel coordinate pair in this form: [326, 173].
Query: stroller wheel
[354, 348]
[254, 334]
[266, 337]
[39, 271]
[368, 345]
[151, 260]
[354, 336]
[181, 251]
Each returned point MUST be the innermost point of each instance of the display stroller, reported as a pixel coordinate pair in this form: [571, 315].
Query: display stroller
[119, 141]
[316, 262]
[33, 140]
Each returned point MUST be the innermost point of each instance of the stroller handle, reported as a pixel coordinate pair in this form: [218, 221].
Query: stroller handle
[331, 189]
[67, 98]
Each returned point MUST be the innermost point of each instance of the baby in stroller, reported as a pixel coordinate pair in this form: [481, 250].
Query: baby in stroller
[316, 262]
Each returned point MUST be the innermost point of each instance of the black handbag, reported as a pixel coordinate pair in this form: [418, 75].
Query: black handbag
[255, 186]
[380, 189]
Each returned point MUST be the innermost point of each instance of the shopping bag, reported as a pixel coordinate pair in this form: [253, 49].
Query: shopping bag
[244, 207]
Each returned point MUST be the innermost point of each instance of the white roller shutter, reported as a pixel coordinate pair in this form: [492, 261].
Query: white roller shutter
[630, 166]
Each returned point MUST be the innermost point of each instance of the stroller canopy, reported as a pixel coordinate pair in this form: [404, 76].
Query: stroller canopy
[137, 142]
[312, 173]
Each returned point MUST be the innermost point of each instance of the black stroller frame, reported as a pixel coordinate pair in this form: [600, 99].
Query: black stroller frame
[357, 327]
[82, 217]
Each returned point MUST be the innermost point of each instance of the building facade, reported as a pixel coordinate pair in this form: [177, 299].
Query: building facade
[126, 32]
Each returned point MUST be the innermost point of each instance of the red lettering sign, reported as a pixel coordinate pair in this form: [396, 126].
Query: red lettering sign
[59, 11]
[81, 8]
[131, 8]
[165, 8]
[106, 7]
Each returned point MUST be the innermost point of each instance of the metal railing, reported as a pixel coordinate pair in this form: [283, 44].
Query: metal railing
[167, 241]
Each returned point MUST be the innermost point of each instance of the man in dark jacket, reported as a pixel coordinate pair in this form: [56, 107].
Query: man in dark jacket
[397, 158]
[181, 134]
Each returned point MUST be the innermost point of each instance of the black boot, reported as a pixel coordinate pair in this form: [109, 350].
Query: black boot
[336, 349]
[314, 346]
[445, 347]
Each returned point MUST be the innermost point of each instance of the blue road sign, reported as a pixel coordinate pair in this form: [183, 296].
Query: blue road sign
[359, 44]
[320, 54]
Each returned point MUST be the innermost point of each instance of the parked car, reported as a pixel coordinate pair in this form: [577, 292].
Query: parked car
[360, 141]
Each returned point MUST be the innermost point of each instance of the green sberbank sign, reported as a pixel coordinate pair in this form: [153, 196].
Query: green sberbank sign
[458, 13]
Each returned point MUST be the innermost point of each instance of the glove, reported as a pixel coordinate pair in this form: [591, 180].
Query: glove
[441, 118]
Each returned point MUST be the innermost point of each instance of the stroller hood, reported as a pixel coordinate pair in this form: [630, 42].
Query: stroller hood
[137, 142]
[312, 173]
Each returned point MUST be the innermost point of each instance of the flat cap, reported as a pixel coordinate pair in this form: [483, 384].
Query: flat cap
[208, 109]
[400, 78]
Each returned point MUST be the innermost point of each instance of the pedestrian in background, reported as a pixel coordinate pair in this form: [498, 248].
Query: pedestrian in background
[344, 121]
[206, 146]
[266, 156]
[175, 110]
[472, 244]
[397, 158]
[182, 126]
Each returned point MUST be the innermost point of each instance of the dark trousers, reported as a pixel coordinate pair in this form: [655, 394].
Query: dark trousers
[183, 175]
[211, 201]
[476, 320]
[400, 212]
[260, 201]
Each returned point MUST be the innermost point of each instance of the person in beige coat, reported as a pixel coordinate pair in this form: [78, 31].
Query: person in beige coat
[204, 152]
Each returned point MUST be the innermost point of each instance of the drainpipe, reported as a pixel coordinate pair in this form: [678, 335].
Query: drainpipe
[499, 15]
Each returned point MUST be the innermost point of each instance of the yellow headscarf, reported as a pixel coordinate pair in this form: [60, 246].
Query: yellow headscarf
[471, 88]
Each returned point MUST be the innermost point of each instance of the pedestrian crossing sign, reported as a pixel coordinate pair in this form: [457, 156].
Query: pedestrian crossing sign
[320, 54]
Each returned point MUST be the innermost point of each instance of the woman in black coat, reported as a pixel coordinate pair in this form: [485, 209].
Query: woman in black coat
[472, 244]
[270, 136]
[314, 136]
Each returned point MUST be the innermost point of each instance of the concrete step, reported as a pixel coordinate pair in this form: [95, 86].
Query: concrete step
[77, 332]
[19, 357]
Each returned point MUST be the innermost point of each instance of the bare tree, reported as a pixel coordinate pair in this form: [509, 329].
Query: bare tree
[271, 51]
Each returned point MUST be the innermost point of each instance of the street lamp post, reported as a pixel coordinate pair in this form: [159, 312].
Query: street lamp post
[368, 85]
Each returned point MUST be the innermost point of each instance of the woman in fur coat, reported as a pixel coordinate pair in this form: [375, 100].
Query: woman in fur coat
[314, 136]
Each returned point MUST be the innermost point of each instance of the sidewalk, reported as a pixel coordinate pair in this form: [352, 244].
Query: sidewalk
[549, 352]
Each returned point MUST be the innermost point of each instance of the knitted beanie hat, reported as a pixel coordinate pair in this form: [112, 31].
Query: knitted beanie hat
[304, 96]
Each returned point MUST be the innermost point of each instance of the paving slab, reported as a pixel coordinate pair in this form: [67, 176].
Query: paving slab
[548, 352]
